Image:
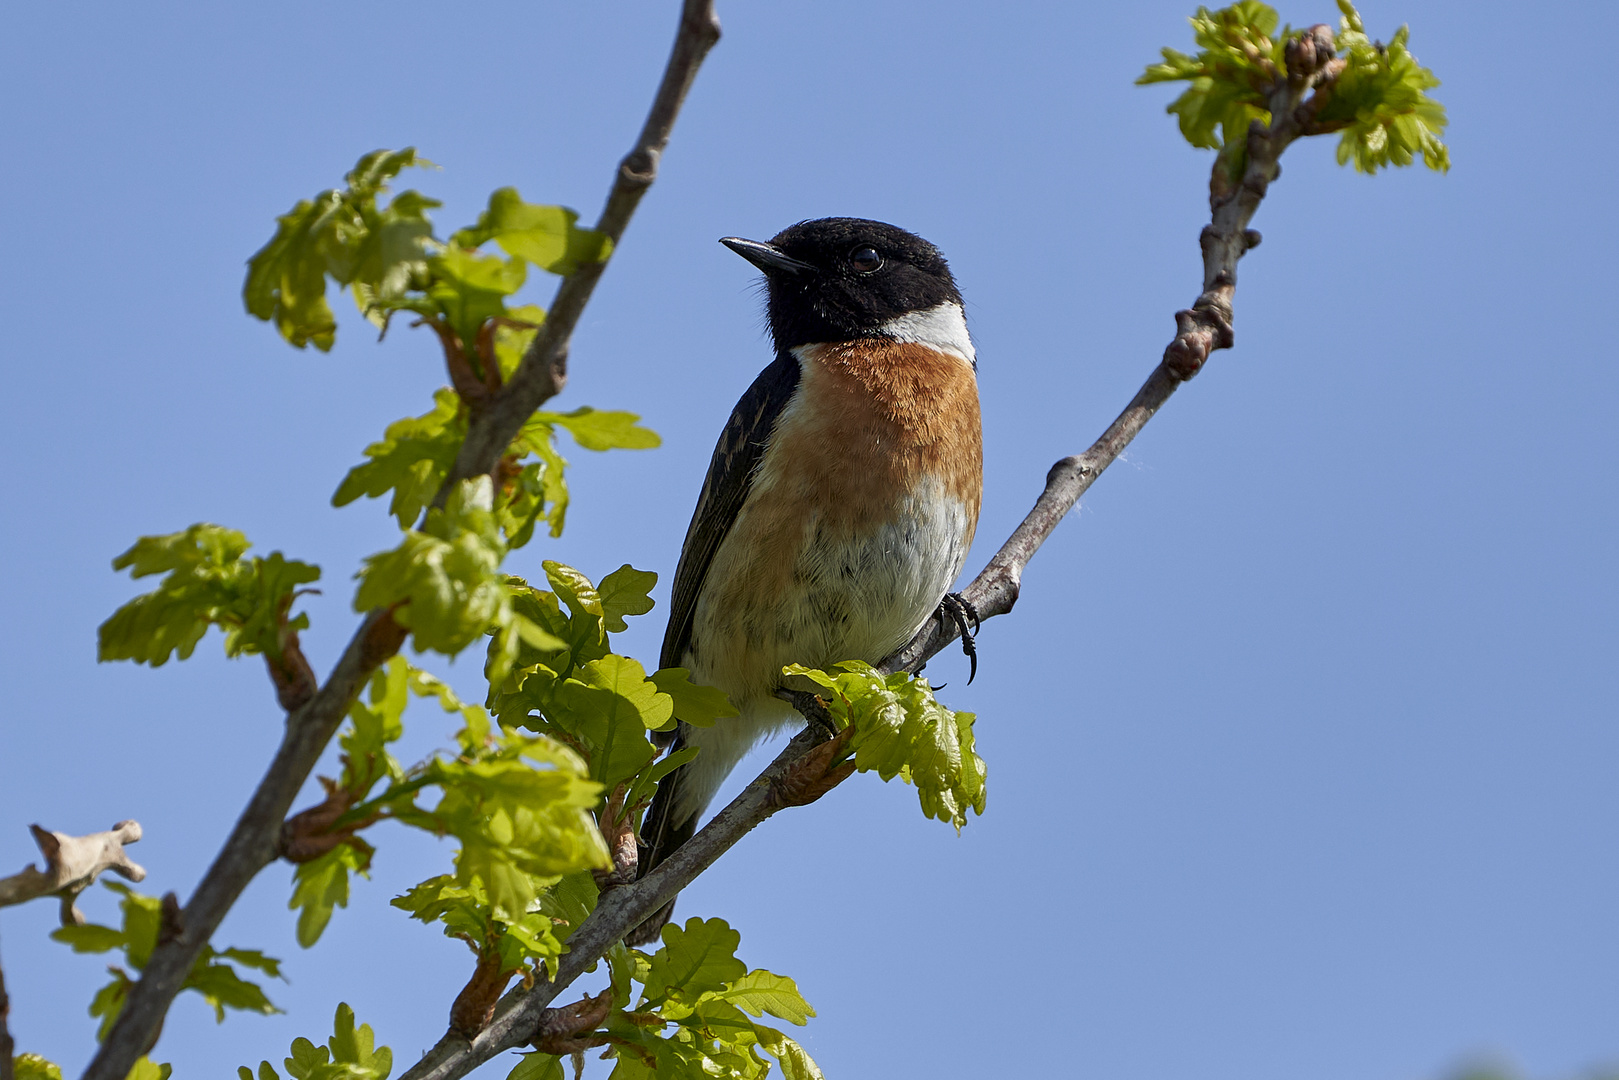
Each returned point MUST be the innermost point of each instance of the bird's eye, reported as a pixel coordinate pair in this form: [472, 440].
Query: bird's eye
[865, 259]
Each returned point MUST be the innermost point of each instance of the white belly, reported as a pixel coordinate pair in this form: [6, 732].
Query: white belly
[843, 597]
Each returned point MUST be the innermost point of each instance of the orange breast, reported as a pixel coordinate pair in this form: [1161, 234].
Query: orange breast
[874, 419]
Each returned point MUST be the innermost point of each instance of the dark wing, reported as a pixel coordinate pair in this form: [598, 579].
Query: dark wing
[730, 475]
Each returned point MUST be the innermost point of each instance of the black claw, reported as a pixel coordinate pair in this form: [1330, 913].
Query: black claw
[960, 611]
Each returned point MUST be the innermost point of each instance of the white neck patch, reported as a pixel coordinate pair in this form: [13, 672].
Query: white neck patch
[942, 327]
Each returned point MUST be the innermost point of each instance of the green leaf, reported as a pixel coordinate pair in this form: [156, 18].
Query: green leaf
[570, 901]
[543, 235]
[470, 288]
[350, 1054]
[147, 1069]
[694, 959]
[109, 1000]
[521, 827]
[761, 991]
[1231, 77]
[207, 583]
[373, 727]
[89, 938]
[341, 235]
[253, 958]
[412, 460]
[694, 704]
[34, 1067]
[902, 730]
[646, 781]
[533, 1066]
[796, 1064]
[321, 885]
[597, 430]
[610, 705]
[573, 588]
[222, 988]
[624, 592]
[513, 337]
[444, 583]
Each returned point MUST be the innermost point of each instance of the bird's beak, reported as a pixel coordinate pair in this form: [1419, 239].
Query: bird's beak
[766, 257]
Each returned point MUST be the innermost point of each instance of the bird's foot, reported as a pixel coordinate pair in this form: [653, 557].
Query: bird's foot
[959, 610]
[814, 774]
[812, 708]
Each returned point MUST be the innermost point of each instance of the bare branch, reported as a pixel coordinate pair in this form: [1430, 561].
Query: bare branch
[72, 864]
[786, 781]
[544, 369]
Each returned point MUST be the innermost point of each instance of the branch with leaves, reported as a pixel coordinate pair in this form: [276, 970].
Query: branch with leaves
[543, 789]
[381, 256]
[1266, 89]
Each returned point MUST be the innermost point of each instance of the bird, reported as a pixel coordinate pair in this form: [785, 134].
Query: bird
[839, 503]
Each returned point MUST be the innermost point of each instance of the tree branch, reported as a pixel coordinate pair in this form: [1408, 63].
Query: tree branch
[1199, 331]
[544, 369]
[72, 864]
[255, 841]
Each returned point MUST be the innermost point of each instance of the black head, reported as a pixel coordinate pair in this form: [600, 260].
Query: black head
[837, 279]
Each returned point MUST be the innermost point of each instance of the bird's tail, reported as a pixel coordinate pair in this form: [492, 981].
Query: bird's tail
[661, 834]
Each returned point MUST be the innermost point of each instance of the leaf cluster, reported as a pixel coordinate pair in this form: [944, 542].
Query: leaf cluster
[1239, 60]
[573, 723]
[212, 976]
[519, 805]
[350, 1054]
[1380, 102]
[443, 582]
[583, 694]
[388, 256]
[415, 456]
[697, 1014]
[900, 729]
[207, 583]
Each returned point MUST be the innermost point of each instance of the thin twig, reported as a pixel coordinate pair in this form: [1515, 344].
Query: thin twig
[1200, 330]
[254, 843]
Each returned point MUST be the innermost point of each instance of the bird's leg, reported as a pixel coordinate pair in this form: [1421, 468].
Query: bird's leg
[959, 610]
[812, 709]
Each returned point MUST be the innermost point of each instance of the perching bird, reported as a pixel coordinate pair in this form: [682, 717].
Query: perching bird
[840, 501]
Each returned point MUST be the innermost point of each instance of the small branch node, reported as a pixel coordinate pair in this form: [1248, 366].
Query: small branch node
[814, 774]
[569, 1030]
[171, 925]
[294, 680]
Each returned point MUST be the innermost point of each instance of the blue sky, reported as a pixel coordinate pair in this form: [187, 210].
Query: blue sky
[1301, 740]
